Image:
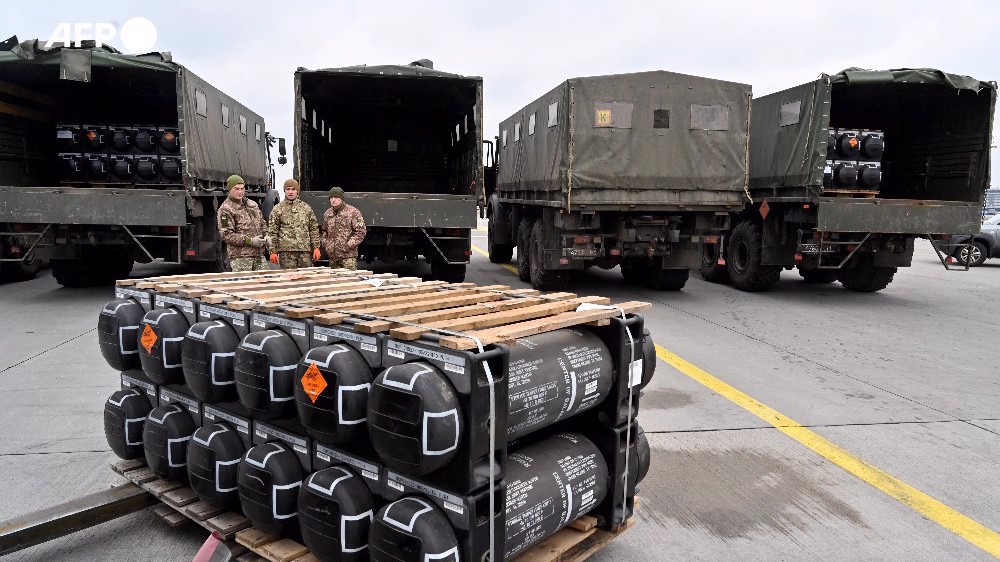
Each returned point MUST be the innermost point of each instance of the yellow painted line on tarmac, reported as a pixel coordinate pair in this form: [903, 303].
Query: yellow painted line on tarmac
[962, 525]
[972, 531]
[509, 267]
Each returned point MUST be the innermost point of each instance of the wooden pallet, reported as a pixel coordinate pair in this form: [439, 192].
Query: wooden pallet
[406, 307]
[575, 543]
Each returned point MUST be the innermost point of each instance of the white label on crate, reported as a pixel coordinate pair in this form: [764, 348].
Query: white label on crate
[260, 434]
[239, 322]
[210, 311]
[404, 348]
[166, 395]
[296, 442]
[366, 468]
[590, 306]
[635, 374]
[242, 425]
[320, 337]
[297, 332]
[129, 381]
[346, 335]
[590, 388]
[454, 368]
[263, 319]
[369, 347]
[302, 450]
[396, 354]
[141, 295]
[446, 498]
[64, 135]
[186, 306]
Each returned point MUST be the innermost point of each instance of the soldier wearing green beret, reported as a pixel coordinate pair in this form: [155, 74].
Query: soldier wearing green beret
[343, 231]
[241, 226]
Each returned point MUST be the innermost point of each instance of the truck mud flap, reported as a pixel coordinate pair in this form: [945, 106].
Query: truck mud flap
[70, 205]
[897, 216]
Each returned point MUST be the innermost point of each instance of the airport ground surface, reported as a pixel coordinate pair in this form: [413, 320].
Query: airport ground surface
[809, 423]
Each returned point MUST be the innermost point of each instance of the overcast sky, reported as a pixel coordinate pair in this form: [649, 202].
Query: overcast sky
[250, 49]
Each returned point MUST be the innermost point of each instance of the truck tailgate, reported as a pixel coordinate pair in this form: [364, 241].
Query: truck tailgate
[71, 205]
[425, 210]
[897, 216]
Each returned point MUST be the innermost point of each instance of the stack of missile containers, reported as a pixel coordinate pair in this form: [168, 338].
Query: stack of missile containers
[332, 430]
[854, 159]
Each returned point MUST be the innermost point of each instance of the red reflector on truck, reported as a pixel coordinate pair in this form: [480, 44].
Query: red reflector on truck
[798, 257]
[563, 261]
[468, 252]
[615, 252]
[190, 253]
[582, 240]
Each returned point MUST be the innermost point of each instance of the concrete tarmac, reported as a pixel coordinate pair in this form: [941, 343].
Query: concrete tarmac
[907, 380]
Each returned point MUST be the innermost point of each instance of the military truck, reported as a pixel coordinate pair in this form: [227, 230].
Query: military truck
[404, 142]
[848, 170]
[107, 159]
[628, 170]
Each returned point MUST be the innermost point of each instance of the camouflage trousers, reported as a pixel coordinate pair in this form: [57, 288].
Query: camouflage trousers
[248, 264]
[344, 263]
[294, 260]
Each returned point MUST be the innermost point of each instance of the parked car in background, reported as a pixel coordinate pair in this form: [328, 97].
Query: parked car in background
[985, 245]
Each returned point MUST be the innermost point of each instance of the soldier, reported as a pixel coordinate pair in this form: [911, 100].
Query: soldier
[241, 225]
[343, 230]
[294, 231]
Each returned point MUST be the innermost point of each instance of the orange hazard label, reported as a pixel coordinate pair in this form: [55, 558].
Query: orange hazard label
[148, 339]
[853, 142]
[313, 382]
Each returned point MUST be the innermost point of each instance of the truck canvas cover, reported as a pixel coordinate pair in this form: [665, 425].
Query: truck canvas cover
[650, 138]
[40, 87]
[937, 132]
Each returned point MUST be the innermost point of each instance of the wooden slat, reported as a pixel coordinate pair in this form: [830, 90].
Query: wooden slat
[283, 550]
[425, 305]
[595, 543]
[553, 548]
[180, 497]
[121, 466]
[200, 511]
[359, 294]
[584, 523]
[228, 523]
[210, 276]
[493, 319]
[253, 538]
[511, 332]
[159, 487]
[291, 296]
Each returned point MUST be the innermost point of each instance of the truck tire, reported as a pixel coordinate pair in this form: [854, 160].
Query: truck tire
[710, 269]
[75, 273]
[866, 277]
[523, 252]
[977, 251]
[448, 272]
[818, 276]
[743, 261]
[542, 279]
[499, 253]
[632, 271]
[666, 279]
[20, 271]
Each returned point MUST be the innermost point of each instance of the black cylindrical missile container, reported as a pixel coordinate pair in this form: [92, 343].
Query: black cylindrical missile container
[118, 333]
[412, 529]
[549, 485]
[161, 337]
[648, 358]
[213, 462]
[644, 454]
[165, 438]
[414, 413]
[265, 373]
[331, 393]
[146, 139]
[269, 479]
[207, 355]
[335, 513]
[124, 417]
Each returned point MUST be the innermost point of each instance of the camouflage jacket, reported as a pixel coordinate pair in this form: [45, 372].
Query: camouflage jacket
[238, 222]
[343, 232]
[293, 227]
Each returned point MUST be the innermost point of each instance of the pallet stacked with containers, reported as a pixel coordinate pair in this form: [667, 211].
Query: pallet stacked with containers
[376, 417]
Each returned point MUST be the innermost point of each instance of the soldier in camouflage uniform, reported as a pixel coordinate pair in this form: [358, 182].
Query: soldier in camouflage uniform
[343, 230]
[241, 226]
[294, 231]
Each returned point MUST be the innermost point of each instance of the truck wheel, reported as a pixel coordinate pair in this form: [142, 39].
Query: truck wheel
[499, 253]
[666, 279]
[19, 271]
[818, 276]
[710, 269]
[448, 272]
[975, 254]
[745, 269]
[523, 252]
[75, 273]
[632, 271]
[542, 279]
[866, 277]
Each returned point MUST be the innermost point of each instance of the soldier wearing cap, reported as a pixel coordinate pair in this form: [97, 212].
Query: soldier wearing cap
[343, 230]
[294, 231]
[241, 226]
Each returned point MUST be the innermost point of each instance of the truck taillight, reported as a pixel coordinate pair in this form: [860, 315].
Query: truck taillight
[170, 229]
[190, 253]
[582, 239]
